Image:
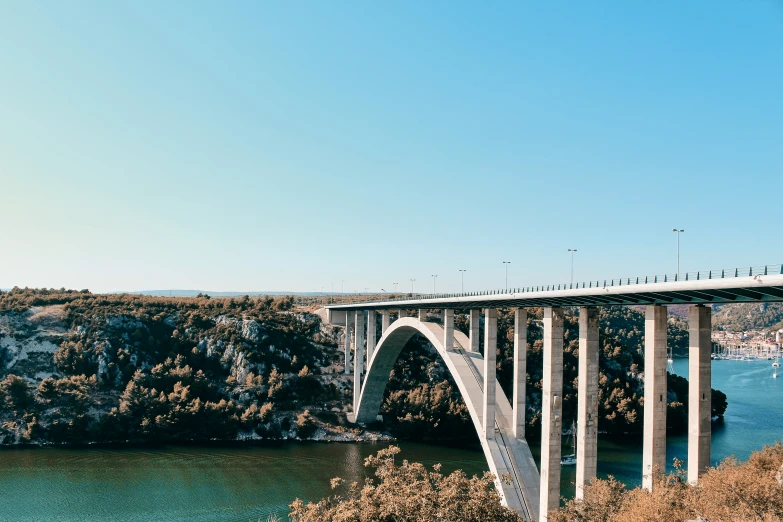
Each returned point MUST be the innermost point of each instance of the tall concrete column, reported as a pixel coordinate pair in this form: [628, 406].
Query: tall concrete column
[587, 407]
[474, 331]
[358, 362]
[520, 371]
[551, 411]
[348, 323]
[490, 358]
[699, 390]
[403, 313]
[654, 445]
[448, 329]
[371, 326]
[385, 320]
[422, 315]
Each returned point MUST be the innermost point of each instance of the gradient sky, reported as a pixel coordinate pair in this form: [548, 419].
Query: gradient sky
[290, 145]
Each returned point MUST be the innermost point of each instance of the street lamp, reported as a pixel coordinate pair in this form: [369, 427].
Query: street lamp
[680, 231]
[412, 281]
[462, 274]
[395, 287]
[434, 276]
[506, 263]
[572, 263]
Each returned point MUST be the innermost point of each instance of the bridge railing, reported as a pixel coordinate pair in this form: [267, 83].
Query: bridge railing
[723, 273]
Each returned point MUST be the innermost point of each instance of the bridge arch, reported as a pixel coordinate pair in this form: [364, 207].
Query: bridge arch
[505, 454]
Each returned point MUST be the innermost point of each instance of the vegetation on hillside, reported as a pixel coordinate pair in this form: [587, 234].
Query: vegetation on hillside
[742, 317]
[139, 368]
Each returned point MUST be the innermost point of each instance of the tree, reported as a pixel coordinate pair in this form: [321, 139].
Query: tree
[408, 493]
[14, 393]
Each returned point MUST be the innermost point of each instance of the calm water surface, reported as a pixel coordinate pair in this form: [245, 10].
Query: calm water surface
[248, 484]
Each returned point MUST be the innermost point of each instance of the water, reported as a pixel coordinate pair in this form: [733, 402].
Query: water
[753, 418]
[188, 483]
[251, 483]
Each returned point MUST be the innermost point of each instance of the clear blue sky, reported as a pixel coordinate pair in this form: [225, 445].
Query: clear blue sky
[290, 145]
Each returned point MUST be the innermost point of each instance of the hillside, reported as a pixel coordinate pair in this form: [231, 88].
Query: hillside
[742, 317]
[77, 367]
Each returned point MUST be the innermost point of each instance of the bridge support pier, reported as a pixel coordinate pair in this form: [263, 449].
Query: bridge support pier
[348, 322]
[372, 324]
[587, 408]
[552, 411]
[490, 357]
[385, 321]
[654, 446]
[422, 315]
[358, 359]
[699, 390]
[520, 371]
[474, 331]
[403, 314]
[448, 330]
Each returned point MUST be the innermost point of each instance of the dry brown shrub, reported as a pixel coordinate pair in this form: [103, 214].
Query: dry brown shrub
[729, 492]
[735, 491]
[408, 493]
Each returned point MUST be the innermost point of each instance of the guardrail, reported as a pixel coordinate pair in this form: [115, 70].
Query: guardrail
[724, 273]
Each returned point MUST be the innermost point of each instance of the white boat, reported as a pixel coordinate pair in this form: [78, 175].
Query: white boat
[570, 460]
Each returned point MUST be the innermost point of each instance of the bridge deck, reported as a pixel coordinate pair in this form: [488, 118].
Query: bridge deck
[756, 288]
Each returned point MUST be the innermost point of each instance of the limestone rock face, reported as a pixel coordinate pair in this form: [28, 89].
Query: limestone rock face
[28, 341]
[251, 330]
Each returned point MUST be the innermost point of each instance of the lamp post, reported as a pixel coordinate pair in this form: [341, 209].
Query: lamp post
[412, 281]
[434, 276]
[395, 287]
[679, 231]
[462, 275]
[572, 263]
[506, 263]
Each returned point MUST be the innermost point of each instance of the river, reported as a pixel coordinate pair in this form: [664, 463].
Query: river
[179, 483]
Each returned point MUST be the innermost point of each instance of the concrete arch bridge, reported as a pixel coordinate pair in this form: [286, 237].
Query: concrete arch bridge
[500, 420]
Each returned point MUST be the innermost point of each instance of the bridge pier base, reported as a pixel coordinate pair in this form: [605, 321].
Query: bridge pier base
[520, 371]
[587, 395]
[358, 361]
[654, 446]
[699, 390]
[474, 331]
[490, 358]
[371, 340]
[552, 411]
